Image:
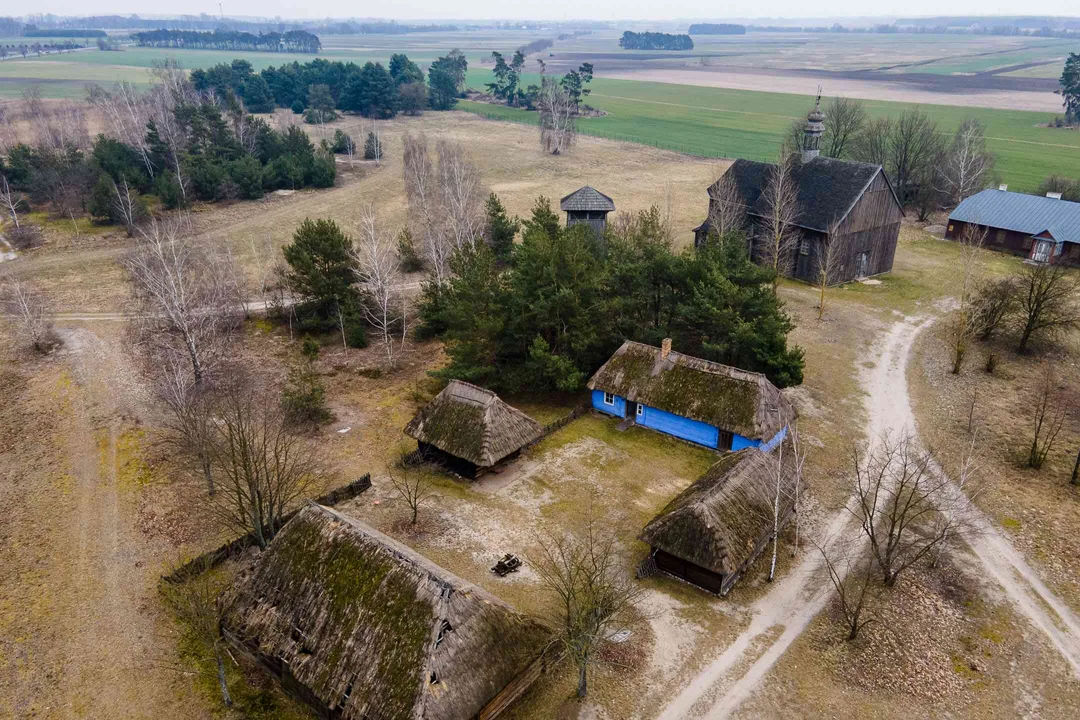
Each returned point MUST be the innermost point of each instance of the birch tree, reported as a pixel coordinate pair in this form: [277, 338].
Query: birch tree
[185, 292]
[830, 266]
[727, 213]
[967, 164]
[9, 200]
[379, 269]
[27, 310]
[963, 325]
[462, 196]
[558, 112]
[779, 235]
[126, 203]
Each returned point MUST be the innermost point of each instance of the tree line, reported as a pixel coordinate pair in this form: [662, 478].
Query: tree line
[716, 29]
[292, 41]
[655, 41]
[171, 142]
[33, 31]
[372, 90]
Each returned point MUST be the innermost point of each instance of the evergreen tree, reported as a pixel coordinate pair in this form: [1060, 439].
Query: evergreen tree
[322, 270]
[257, 96]
[404, 70]
[371, 92]
[501, 228]
[373, 148]
[1070, 88]
[442, 87]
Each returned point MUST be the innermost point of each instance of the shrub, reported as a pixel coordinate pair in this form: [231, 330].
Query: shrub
[310, 348]
[168, 190]
[247, 175]
[373, 147]
[25, 237]
[304, 399]
[991, 362]
[298, 106]
[342, 141]
[411, 261]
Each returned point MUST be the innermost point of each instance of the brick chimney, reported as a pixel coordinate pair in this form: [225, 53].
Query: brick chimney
[665, 348]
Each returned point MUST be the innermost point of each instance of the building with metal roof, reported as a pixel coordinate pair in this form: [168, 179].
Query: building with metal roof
[1043, 229]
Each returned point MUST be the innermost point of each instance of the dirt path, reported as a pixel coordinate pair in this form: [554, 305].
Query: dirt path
[719, 690]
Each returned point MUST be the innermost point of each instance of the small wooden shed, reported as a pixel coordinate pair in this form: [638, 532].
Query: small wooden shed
[589, 206]
[361, 627]
[711, 532]
[470, 430]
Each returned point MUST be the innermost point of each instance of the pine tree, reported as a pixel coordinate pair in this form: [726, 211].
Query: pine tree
[1070, 88]
[501, 228]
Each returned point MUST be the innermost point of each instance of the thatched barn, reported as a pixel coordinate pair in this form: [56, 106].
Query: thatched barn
[848, 213]
[711, 532]
[705, 402]
[360, 627]
[470, 430]
[587, 206]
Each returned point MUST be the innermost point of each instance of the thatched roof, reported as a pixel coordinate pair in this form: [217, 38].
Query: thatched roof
[718, 521]
[729, 398]
[586, 199]
[473, 424]
[373, 630]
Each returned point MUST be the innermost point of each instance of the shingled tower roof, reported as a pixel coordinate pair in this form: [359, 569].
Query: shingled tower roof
[587, 199]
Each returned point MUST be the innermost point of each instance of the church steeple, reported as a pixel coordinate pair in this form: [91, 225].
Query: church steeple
[815, 126]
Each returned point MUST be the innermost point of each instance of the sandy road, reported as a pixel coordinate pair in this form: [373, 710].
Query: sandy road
[716, 691]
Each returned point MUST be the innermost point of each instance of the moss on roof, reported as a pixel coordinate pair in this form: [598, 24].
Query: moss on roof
[726, 397]
[718, 521]
[354, 616]
[472, 423]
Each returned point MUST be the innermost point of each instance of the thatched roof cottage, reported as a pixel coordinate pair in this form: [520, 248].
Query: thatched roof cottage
[360, 627]
[707, 403]
[715, 528]
[470, 429]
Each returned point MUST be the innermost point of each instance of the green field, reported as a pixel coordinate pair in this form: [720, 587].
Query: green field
[693, 119]
[740, 123]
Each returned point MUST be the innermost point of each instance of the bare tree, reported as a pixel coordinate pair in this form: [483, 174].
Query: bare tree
[262, 254]
[413, 486]
[1046, 299]
[422, 195]
[851, 568]
[195, 603]
[126, 202]
[9, 199]
[191, 424]
[379, 268]
[592, 590]
[872, 144]
[846, 119]
[350, 147]
[904, 506]
[1047, 419]
[186, 294]
[558, 113]
[262, 468]
[27, 310]
[462, 196]
[780, 210]
[963, 325]
[994, 302]
[966, 164]
[61, 127]
[914, 149]
[966, 484]
[830, 266]
[727, 213]
[171, 88]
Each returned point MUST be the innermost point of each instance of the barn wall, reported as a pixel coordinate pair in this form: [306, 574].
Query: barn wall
[618, 409]
[680, 427]
[880, 243]
[876, 208]
[691, 573]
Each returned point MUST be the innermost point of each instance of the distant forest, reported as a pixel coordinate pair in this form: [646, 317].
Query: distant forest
[292, 41]
[32, 31]
[655, 41]
[717, 29]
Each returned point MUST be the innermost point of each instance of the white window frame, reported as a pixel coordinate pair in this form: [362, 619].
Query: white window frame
[640, 410]
[608, 401]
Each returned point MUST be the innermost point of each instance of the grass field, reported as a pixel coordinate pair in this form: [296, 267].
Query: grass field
[706, 121]
[739, 123]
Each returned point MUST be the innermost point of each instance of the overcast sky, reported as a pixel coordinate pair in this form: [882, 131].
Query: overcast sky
[550, 10]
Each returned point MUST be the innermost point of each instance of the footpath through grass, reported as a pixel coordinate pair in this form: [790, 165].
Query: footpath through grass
[716, 122]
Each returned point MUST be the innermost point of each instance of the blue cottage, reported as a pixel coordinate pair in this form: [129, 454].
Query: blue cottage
[707, 403]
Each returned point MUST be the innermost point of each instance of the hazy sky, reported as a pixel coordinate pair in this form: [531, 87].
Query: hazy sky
[554, 10]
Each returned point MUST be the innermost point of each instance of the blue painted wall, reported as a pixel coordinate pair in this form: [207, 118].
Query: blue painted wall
[738, 442]
[618, 409]
[680, 427]
[776, 440]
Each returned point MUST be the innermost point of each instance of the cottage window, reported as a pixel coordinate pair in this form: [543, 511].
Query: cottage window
[950, 228]
[609, 399]
[804, 246]
[1001, 236]
[640, 410]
